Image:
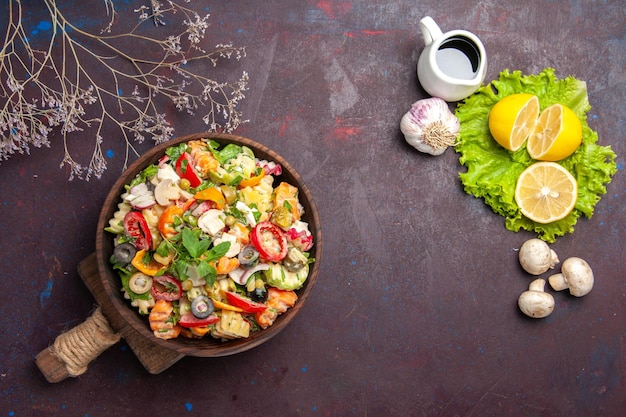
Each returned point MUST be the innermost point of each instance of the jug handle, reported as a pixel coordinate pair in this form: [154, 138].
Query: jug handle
[430, 30]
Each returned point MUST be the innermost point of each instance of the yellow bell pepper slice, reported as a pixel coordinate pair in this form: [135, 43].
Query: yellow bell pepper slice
[166, 221]
[225, 264]
[213, 194]
[150, 268]
[223, 306]
[199, 331]
[252, 181]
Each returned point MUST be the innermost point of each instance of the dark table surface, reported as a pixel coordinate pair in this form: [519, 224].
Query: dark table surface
[414, 312]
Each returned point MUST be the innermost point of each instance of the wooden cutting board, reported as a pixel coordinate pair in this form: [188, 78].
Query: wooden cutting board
[153, 357]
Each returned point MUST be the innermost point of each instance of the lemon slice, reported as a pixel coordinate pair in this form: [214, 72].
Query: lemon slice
[557, 134]
[546, 192]
[512, 119]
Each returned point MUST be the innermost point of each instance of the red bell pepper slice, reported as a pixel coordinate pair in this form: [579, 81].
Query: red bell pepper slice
[185, 169]
[243, 303]
[136, 227]
[188, 320]
[270, 241]
[165, 287]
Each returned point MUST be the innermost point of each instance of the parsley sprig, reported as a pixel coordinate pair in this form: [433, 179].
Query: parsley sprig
[193, 254]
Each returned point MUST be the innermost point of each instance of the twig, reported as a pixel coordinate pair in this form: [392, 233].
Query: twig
[45, 89]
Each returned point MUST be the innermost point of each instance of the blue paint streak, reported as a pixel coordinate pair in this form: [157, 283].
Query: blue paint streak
[11, 413]
[188, 406]
[45, 293]
[119, 91]
[44, 25]
[110, 153]
[304, 369]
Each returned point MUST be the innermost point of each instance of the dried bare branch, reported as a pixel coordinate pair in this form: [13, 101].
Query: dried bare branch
[56, 87]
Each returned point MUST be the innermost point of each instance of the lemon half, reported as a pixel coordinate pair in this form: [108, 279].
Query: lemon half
[546, 192]
[512, 119]
[557, 134]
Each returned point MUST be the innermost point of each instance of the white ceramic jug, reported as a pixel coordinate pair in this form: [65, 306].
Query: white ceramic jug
[452, 65]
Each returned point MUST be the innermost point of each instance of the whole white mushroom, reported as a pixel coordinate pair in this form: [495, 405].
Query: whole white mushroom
[535, 302]
[576, 274]
[536, 257]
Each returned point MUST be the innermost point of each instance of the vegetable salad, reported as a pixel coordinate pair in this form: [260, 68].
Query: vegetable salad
[209, 242]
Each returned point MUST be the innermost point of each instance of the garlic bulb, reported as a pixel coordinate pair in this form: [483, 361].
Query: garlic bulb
[429, 126]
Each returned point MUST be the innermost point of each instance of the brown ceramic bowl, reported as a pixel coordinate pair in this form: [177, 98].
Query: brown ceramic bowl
[206, 346]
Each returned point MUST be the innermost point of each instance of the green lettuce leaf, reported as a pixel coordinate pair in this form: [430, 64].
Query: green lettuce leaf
[492, 171]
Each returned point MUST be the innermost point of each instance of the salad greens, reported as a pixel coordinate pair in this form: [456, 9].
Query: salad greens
[492, 171]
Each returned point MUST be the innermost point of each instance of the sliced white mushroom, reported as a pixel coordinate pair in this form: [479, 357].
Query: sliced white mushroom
[166, 171]
[165, 191]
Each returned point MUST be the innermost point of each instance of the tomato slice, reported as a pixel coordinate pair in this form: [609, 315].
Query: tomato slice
[188, 320]
[185, 169]
[136, 227]
[166, 288]
[243, 303]
[270, 241]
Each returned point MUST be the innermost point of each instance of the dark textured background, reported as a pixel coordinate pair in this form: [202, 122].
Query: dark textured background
[414, 312]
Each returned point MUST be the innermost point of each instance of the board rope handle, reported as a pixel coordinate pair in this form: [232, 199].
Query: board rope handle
[75, 349]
